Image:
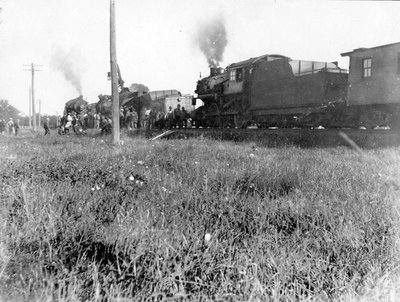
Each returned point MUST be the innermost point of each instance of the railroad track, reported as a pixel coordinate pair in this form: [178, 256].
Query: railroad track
[285, 130]
[278, 137]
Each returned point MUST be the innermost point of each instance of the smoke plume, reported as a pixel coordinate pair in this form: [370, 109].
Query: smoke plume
[212, 39]
[140, 88]
[71, 64]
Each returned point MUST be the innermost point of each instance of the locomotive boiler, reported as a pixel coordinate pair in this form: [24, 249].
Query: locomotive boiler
[77, 105]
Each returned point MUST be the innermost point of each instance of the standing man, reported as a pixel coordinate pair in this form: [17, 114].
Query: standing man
[10, 126]
[97, 121]
[46, 126]
[121, 118]
[184, 117]
[178, 116]
[170, 118]
[16, 127]
[2, 126]
[85, 121]
[135, 118]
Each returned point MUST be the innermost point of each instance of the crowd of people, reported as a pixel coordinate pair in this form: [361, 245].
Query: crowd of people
[129, 119]
[173, 118]
[71, 121]
[11, 127]
[147, 119]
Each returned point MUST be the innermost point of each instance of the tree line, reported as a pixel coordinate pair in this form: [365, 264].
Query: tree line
[8, 111]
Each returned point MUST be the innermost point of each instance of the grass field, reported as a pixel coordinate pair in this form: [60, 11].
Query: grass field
[196, 220]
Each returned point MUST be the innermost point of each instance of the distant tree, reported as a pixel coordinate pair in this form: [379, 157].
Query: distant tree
[52, 120]
[7, 111]
[24, 120]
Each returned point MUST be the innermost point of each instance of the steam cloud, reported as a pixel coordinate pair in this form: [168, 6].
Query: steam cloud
[135, 87]
[211, 38]
[71, 64]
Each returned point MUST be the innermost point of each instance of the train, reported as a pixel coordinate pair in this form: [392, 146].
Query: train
[275, 91]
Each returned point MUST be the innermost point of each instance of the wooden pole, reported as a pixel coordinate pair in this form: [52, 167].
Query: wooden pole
[114, 76]
[40, 112]
[33, 97]
[32, 111]
[30, 108]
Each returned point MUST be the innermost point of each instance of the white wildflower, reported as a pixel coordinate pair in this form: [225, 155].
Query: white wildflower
[131, 178]
[140, 162]
[207, 237]
[252, 155]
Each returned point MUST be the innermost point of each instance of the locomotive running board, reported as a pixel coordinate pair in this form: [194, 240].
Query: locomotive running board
[163, 134]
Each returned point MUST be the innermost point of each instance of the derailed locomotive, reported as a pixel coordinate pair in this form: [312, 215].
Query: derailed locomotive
[276, 91]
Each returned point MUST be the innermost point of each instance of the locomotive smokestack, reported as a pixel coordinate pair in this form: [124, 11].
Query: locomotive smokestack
[215, 71]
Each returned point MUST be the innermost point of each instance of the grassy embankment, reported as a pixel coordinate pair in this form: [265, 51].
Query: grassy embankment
[196, 221]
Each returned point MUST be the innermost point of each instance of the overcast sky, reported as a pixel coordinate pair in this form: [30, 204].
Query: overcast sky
[156, 40]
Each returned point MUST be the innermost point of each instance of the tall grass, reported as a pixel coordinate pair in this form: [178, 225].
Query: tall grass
[195, 220]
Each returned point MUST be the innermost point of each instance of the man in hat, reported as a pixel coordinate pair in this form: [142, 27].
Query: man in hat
[46, 126]
[178, 116]
[16, 127]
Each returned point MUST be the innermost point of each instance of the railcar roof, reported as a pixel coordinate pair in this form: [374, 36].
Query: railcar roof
[254, 60]
[365, 49]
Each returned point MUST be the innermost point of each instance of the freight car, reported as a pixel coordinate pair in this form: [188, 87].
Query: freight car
[276, 91]
[374, 86]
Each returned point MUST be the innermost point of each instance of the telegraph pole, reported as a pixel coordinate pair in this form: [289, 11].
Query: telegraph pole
[30, 108]
[114, 76]
[40, 111]
[32, 70]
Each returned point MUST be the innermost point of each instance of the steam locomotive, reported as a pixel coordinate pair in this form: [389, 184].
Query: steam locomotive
[276, 91]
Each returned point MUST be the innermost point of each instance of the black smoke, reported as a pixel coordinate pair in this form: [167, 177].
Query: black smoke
[212, 39]
[71, 64]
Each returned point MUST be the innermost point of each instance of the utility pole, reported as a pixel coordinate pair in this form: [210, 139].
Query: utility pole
[30, 107]
[32, 70]
[114, 76]
[40, 111]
